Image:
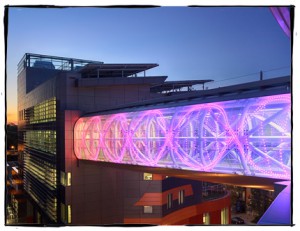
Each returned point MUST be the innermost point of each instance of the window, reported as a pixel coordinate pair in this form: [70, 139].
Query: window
[69, 214]
[148, 209]
[180, 197]
[39, 218]
[224, 216]
[206, 219]
[63, 212]
[66, 213]
[169, 201]
[69, 179]
[65, 178]
[147, 176]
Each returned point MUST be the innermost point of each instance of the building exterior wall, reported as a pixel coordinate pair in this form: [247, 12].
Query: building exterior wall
[66, 190]
[102, 96]
[46, 147]
[191, 214]
[135, 187]
[94, 194]
[37, 126]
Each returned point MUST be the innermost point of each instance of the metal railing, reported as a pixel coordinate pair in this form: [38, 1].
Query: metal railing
[52, 62]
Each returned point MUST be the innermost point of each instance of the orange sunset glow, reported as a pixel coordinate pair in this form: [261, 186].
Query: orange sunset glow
[12, 116]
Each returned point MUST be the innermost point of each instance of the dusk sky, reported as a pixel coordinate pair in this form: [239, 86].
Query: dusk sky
[216, 43]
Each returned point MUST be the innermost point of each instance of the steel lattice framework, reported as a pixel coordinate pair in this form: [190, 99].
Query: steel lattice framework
[247, 136]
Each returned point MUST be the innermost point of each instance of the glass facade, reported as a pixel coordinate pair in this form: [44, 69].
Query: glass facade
[43, 112]
[40, 168]
[43, 140]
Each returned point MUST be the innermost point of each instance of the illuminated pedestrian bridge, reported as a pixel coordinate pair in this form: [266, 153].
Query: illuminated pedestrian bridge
[249, 136]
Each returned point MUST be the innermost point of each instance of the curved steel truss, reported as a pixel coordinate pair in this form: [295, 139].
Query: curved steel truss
[248, 136]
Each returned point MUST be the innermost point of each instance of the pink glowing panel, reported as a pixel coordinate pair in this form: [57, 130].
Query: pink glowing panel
[246, 136]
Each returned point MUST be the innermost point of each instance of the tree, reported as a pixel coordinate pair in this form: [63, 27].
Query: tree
[236, 194]
[260, 202]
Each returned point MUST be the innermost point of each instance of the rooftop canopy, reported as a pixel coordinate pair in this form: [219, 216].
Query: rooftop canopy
[114, 70]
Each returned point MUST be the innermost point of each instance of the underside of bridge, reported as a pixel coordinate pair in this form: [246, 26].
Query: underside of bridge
[222, 178]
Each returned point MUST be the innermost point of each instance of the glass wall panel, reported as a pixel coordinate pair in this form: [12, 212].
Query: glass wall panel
[247, 136]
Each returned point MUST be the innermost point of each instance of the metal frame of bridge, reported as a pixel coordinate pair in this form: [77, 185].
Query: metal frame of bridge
[254, 143]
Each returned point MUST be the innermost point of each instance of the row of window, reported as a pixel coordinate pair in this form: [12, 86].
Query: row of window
[44, 140]
[149, 176]
[40, 175]
[41, 170]
[224, 217]
[205, 217]
[66, 211]
[45, 199]
[181, 196]
[41, 113]
[170, 199]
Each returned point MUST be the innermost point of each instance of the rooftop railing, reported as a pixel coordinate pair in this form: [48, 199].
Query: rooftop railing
[52, 62]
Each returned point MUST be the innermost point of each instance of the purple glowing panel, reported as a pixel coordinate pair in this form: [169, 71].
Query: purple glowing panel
[282, 15]
[247, 136]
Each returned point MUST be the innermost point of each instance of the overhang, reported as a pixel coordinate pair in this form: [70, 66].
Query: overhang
[114, 81]
[114, 70]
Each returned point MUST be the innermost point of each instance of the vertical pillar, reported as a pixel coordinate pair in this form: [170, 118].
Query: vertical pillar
[28, 60]
[72, 64]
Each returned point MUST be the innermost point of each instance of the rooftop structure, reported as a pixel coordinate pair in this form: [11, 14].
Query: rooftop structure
[52, 62]
[114, 70]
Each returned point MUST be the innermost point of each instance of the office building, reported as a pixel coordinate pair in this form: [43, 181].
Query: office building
[53, 92]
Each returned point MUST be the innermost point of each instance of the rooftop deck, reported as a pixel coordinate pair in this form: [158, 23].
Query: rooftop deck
[52, 62]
